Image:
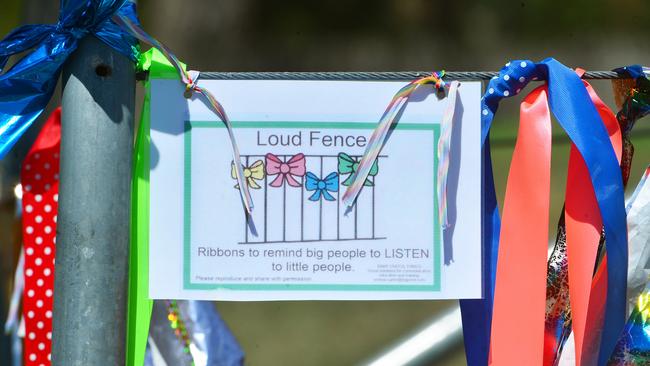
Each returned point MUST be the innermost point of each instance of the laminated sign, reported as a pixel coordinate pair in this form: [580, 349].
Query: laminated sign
[300, 144]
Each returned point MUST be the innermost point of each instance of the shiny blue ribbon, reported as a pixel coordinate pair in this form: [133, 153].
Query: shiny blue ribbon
[570, 103]
[27, 87]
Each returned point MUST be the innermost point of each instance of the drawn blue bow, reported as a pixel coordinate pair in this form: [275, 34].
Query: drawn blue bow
[323, 187]
[27, 87]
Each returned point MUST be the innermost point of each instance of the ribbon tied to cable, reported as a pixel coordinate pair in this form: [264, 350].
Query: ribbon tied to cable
[26, 88]
[496, 335]
[285, 171]
[190, 81]
[380, 134]
[367, 165]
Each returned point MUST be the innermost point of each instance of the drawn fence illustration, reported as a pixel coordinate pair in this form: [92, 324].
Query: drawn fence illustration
[297, 199]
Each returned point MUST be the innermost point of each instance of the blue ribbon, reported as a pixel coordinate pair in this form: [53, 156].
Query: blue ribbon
[477, 314]
[570, 103]
[633, 71]
[27, 87]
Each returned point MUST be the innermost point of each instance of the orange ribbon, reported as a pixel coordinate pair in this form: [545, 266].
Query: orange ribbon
[520, 292]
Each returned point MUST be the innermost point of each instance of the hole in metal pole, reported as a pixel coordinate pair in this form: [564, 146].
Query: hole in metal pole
[103, 70]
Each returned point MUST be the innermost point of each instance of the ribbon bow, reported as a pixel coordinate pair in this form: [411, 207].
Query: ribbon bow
[251, 174]
[27, 87]
[349, 165]
[294, 167]
[322, 187]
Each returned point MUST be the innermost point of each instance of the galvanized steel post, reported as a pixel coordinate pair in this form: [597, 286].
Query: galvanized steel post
[90, 298]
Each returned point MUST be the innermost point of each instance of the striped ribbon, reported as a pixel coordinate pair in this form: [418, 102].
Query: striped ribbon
[444, 147]
[379, 135]
[190, 79]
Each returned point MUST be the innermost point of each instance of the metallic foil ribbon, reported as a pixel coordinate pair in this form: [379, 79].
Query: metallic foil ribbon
[191, 333]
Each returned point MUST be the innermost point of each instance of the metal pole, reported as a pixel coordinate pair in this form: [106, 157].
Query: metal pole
[94, 207]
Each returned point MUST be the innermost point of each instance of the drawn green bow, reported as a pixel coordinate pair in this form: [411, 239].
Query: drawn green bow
[349, 165]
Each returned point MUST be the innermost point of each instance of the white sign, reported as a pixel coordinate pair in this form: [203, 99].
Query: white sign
[300, 142]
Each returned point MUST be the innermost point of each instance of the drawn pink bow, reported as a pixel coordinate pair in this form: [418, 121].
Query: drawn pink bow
[294, 167]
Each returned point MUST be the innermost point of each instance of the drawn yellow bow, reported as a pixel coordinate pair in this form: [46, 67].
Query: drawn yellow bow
[251, 174]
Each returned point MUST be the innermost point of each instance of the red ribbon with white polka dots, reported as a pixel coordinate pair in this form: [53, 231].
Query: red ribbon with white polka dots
[40, 182]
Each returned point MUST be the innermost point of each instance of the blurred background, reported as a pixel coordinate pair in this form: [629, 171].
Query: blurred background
[355, 35]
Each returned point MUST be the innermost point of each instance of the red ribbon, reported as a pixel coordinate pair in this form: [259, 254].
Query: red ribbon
[583, 229]
[40, 182]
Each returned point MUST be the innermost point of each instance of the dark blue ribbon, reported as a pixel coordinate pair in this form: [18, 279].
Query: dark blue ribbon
[633, 71]
[27, 87]
[477, 314]
[570, 103]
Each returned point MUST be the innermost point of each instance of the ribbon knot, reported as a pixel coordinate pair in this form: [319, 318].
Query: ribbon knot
[435, 78]
[76, 32]
[27, 87]
[359, 176]
[571, 103]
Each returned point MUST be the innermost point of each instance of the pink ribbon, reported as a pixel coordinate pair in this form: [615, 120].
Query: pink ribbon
[285, 171]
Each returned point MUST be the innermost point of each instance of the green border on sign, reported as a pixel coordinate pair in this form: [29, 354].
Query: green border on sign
[187, 209]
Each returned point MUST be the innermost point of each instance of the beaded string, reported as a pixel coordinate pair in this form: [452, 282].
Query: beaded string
[179, 328]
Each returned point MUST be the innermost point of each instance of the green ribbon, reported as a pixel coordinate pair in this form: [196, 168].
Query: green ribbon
[139, 304]
[349, 165]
